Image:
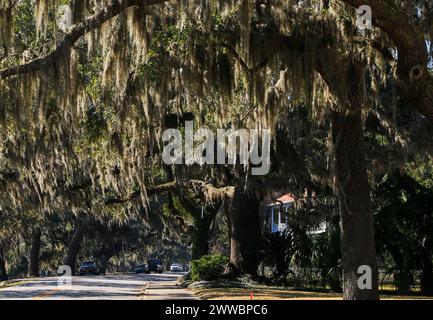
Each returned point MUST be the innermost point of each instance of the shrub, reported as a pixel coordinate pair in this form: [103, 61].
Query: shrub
[208, 267]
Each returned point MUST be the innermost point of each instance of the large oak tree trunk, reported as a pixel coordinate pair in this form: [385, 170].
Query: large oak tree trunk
[110, 247]
[353, 190]
[3, 272]
[200, 235]
[203, 214]
[35, 253]
[74, 247]
[351, 183]
[245, 232]
[105, 254]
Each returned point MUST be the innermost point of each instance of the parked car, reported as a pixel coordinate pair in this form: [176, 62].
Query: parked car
[176, 267]
[142, 268]
[154, 265]
[88, 267]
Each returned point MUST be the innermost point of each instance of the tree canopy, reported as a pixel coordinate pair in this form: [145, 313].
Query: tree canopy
[87, 89]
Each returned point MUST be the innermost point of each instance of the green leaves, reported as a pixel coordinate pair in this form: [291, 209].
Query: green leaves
[94, 124]
[404, 220]
[209, 267]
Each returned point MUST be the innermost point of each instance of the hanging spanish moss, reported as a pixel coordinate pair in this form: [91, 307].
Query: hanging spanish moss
[95, 110]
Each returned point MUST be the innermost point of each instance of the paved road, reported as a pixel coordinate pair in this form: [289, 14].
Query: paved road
[110, 287]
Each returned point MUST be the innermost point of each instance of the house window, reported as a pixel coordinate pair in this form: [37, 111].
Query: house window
[278, 217]
[284, 219]
[284, 216]
[275, 215]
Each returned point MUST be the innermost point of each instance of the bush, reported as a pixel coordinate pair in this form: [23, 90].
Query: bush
[209, 267]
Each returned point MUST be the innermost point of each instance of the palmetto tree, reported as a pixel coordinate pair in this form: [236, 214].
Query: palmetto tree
[404, 228]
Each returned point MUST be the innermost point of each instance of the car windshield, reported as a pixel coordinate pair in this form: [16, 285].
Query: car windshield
[88, 263]
[154, 262]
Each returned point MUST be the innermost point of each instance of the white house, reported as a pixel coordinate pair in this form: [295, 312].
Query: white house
[278, 213]
[275, 215]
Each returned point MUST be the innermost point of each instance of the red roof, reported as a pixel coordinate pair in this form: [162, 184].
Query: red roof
[287, 198]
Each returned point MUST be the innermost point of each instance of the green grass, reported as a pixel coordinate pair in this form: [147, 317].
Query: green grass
[274, 294]
[11, 283]
[239, 290]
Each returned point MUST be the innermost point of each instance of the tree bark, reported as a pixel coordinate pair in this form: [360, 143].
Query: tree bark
[200, 235]
[353, 190]
[103, 260]
[74, 247]
[351, 184]
[35, 253]
[105, 254]
[3, 271]
[203, 210]
[165, 187]
[245, 232]
[110, 247]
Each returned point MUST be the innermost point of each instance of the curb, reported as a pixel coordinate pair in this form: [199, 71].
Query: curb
[11, 283]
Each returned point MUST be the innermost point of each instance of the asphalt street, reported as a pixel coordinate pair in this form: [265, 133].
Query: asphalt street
[109, 287]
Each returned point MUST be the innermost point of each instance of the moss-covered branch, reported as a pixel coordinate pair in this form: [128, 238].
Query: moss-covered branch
[150, 192]
[77, 31]
[415, 80]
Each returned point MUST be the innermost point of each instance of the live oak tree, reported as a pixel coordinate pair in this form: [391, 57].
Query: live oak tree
[104, 79]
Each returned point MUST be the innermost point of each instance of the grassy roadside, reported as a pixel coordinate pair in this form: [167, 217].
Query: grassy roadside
[259, 294]
[241, 291]
[269, 294]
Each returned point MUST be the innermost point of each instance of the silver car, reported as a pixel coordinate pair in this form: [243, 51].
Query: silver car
[176, 267]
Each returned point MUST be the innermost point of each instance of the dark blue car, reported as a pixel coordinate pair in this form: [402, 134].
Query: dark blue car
[88, 267]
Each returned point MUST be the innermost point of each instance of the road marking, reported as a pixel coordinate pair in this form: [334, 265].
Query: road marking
[144, 294]
[148, 286]
[47, 294]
